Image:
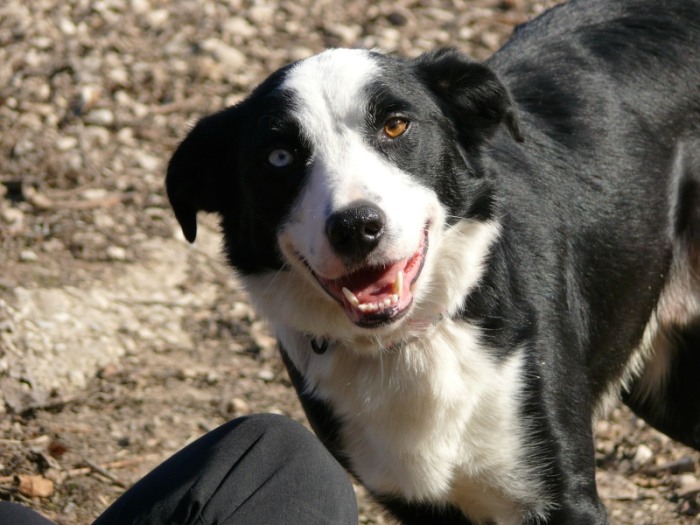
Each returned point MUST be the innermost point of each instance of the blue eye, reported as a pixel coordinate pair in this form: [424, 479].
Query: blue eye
[280, 158]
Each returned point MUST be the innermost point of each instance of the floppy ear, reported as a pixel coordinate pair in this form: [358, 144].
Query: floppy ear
[201, 171]
[471, 93]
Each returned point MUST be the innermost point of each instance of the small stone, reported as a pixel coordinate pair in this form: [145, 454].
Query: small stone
[100, 117]
[35, 486]
[67, 27]
[119, 76]
[266, 375]
[89, 95]
[226, 55]
[261, 14]
[22, 147]
[158, 17]
[146, 161]
[240, 27]
[238, 407]
[348, 35]
[687, 480]
[116, 253]
[28, 256]
[12, 215]
[93, 194]
[66, 143]
[643, 455]
[52, 246]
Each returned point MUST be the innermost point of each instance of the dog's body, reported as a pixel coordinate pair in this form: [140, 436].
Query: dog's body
[462, 262]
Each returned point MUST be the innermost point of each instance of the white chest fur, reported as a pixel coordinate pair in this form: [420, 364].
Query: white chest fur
[435, 419]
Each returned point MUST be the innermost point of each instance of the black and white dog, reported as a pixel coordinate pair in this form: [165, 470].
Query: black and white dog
[464, 261]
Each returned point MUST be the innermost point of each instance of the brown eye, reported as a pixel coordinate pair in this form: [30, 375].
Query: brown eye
[395, 127]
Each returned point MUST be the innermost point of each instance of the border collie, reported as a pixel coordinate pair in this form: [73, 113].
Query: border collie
[464, 261]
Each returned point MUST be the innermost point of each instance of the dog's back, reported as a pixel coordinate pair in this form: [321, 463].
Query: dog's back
[609, 100]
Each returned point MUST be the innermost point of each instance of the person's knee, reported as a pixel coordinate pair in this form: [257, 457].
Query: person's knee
[275, 424]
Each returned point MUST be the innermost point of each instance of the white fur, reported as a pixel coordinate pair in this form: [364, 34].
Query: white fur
[436, 419]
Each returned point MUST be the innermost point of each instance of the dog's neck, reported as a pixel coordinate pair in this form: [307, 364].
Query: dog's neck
[414, 329]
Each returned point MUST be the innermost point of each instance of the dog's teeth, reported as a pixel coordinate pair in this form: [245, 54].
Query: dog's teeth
[351, 297]
[379, 306]
[398, 283]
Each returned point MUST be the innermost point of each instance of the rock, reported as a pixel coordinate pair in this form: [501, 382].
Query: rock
[116, 253]
[66, 143]
[12, 216]
[643, 455]
[28, 256]
[226, 55]
[265, 375]
[238, 407]
[146, 161]
[35, 486]
[239, 27]
[100, 117]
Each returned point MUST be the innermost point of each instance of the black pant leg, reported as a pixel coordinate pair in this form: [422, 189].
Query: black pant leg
[261, 469]
[16, 514]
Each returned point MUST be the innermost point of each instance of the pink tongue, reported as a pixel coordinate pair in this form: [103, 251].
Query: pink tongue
[371, 284]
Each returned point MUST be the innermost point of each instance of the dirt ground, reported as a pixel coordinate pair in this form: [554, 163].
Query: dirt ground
[119, 343]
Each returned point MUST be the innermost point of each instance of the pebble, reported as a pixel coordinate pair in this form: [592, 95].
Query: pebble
[226, 55]
[147, 161]
[100, 117]
[22, 147]
[66, 143]
[643, 455]
[12, 215]
[239, 27]
[116, 253]
[265, 375]
[238, 407]
[28, 256]
[686, 481]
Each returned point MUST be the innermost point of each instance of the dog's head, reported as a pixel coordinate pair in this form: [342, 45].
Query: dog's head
[338, 180]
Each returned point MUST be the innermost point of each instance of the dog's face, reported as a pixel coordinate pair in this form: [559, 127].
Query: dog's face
[339, 182]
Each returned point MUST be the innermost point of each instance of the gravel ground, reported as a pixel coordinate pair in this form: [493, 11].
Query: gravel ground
[118, 342]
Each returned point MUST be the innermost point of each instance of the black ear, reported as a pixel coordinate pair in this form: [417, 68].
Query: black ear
[202, 169]
[471, 94]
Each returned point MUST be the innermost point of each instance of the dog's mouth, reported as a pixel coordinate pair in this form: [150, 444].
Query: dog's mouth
[378, 295]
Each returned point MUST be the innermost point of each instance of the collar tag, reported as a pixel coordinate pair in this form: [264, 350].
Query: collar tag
[319, 347]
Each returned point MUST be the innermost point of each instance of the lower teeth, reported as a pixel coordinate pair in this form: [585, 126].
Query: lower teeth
[392, 300]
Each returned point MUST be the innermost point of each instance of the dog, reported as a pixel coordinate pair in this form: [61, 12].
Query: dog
[465, 262]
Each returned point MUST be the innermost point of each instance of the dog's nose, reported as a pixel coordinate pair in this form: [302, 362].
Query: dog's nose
[356, 230]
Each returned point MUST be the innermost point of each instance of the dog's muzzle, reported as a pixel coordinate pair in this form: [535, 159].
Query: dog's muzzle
[371, 294]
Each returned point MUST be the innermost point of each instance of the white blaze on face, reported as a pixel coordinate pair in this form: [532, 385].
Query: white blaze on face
[331, 105]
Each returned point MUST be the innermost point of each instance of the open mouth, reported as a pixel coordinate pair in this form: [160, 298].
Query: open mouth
[377, 295]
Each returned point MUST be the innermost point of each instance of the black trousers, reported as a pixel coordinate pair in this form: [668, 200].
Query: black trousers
[262, 469]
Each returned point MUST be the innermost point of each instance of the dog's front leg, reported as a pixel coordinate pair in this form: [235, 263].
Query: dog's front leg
[567, 432]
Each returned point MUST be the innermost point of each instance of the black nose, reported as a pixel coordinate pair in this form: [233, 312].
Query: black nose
[356, 230]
